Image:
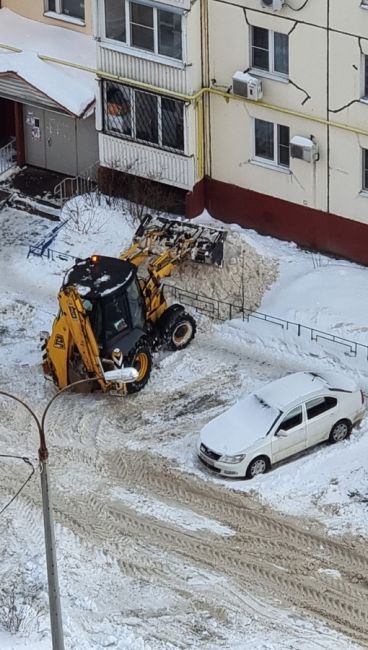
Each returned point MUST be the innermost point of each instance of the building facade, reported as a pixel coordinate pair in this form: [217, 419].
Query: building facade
[149, 71]
[257, 109]
[311, 59]
[47, 107]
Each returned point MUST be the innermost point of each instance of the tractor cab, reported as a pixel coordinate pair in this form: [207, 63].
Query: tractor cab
[112, 298]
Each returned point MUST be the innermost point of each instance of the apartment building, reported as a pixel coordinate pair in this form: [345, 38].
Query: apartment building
[255, 109]
[291, 161]
[47, 95]
[149, 61]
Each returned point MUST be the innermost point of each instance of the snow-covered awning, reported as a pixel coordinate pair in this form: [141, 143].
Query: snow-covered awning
[70, 88]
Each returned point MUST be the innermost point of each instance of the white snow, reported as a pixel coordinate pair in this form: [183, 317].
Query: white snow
[328, 484]
[70, 87]
[240, 426]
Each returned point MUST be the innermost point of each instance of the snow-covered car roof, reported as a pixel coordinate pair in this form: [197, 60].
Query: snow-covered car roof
[284, 392]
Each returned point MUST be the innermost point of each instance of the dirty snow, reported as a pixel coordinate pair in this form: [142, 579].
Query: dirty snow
[329, 484]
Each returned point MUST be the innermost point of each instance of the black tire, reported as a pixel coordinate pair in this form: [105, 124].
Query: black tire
[259, 465]
[340, 431]
[140, 357]
[179, 330]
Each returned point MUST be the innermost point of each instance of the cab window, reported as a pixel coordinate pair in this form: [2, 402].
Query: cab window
[319, 405]
[115, 316]
[292, 419]
[136, 305]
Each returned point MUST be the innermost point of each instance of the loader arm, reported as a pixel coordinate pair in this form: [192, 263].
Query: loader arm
[72, 328]
[164, 244]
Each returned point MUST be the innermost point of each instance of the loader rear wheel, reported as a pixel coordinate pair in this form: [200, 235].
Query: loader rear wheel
[179, 331]
[140, 358]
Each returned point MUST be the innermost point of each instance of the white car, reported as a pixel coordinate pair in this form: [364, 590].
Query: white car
[279, 420]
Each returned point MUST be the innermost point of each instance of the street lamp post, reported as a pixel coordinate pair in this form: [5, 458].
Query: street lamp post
[126, 375]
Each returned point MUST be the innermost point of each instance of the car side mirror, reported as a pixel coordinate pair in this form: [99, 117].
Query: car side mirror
[281, 433]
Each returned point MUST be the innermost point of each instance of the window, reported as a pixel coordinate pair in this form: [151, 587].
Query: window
[72, 8]
[365, 75]
[293, 419]
[319, 405]
[145, 27]
[270, 51]
[365, 170]
[271, 143]
[143, 116]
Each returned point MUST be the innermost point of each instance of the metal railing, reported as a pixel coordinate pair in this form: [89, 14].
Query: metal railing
[222, 311]
[8, 156]
[75, 185]
[49, 253]
[42, 248]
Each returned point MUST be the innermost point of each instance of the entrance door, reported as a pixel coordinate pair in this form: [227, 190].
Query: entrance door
[61, 145]
[34, 136]
[50, 140]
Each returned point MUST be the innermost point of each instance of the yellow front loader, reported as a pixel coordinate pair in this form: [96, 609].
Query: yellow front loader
[110, 317]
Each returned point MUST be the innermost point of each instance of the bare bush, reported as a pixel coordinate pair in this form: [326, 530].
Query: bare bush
[19, 611]
[83, 215]
[140, 194]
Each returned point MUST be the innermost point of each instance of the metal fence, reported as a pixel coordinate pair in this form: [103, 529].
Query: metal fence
[74, 186]
[42, 248]
[222, 311]
[8, 156]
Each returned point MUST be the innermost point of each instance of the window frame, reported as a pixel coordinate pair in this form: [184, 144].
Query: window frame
[286, 417]
[364, 77]
[324, 399]
[271, 54]
[364, 170]
[59, 14]
[138, 51]
[132, 137]
[275, 161]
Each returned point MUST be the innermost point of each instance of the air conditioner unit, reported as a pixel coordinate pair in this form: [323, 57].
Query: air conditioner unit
[275, 5]
[247, 86]
[304, 148]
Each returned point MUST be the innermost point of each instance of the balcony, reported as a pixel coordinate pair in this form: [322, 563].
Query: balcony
[147, 162]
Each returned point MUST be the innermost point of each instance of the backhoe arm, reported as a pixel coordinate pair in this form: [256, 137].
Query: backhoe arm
[72, 329]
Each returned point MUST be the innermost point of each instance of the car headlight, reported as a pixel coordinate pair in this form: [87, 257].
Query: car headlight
[232, 459]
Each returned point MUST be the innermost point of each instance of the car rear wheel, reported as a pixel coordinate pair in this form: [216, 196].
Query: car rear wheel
[339, 431]
[258, 465]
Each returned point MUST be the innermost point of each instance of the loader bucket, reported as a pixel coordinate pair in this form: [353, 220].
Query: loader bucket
[204, 244]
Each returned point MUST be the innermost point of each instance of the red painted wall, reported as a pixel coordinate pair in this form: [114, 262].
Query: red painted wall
[271, 216]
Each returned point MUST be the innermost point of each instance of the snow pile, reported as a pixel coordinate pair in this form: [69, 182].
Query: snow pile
[242, 280]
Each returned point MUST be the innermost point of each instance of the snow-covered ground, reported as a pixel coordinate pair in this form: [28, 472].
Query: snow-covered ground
[328, 485]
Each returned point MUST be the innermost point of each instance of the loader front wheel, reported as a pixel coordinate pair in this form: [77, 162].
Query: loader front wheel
[140, 358]
[179, 331]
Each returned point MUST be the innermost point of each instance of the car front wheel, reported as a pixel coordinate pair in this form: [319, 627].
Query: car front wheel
[339, 431]
[258, 466]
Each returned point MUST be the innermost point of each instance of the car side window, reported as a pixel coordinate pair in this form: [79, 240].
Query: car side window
[292, 419]
[319, 405]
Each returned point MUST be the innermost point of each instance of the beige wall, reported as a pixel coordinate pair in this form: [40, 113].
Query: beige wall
[349, 17]
[232, 136]
[34, 9]
[232, 155]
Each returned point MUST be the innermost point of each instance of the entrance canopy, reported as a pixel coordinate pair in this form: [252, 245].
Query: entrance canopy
[70, 89]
